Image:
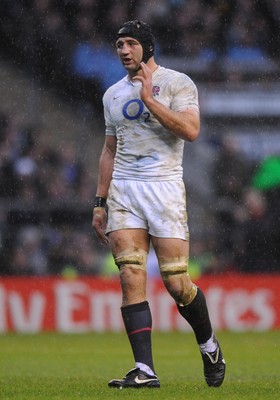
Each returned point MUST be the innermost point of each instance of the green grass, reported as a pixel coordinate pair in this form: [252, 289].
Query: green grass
[56, 366]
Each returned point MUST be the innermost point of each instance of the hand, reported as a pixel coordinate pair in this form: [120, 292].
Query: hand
[145, 78]
[99, 222]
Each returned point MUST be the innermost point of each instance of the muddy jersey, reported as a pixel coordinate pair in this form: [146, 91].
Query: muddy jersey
[145, 149]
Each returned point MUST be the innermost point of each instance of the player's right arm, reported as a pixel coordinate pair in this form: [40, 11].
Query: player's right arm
[184, 124]
[106, 165]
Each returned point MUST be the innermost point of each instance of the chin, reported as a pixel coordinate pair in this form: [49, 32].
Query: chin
[132, 67]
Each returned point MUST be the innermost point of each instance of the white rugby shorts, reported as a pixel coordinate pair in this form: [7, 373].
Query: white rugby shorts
[159, 207]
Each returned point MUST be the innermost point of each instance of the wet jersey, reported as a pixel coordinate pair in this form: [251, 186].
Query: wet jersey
[145, 149]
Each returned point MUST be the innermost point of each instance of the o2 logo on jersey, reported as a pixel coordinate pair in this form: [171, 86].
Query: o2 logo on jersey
[133, 109]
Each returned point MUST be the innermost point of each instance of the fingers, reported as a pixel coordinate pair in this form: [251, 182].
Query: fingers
[144, 66]
[99, 225]
[103, 238]
[145, 69]
[100, 233]
[138, 78]
[146, 73]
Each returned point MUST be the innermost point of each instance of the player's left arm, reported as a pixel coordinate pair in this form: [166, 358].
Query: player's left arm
[184, 124]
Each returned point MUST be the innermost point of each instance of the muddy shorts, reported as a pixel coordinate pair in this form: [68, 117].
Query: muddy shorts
[159, 207]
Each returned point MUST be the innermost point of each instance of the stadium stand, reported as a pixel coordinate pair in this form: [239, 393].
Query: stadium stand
[230, 49]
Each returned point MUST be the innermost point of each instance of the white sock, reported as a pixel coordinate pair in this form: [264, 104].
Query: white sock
[144, 368]
[209, 346]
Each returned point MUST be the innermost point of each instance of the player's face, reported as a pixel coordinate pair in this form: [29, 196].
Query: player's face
[130, 52]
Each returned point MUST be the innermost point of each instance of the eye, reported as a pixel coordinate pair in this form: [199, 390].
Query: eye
[133, 44]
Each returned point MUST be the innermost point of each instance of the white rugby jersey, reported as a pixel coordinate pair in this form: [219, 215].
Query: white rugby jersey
[145, 149]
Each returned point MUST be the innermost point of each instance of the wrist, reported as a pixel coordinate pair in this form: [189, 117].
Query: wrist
[149, 101]
[99, 202]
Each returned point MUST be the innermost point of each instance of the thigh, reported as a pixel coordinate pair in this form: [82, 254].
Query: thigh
[170, 248]
[123, 211]
[125, 240]
[165, 209]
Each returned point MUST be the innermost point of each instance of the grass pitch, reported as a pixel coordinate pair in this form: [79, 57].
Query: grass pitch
[55, 366]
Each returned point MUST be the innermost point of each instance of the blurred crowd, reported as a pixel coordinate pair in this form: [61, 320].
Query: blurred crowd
[70, 43]
[247, 198]
[46, 191]
[46, 195]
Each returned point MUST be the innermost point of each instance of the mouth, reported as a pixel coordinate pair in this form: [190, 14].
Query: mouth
[127, 61]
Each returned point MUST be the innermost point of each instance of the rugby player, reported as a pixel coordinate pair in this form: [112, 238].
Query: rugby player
[141, 198]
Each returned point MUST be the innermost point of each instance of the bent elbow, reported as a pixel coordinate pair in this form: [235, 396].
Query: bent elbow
[192, 134]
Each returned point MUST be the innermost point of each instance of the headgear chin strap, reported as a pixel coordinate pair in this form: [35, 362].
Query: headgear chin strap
[142, 32]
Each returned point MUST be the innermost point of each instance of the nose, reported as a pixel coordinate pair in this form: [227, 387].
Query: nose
[124, 49]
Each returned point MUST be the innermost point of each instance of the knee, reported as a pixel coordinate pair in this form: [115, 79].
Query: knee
[129, 274]
[177, 281]
[131, 261]
[181, 288]
[132, 265]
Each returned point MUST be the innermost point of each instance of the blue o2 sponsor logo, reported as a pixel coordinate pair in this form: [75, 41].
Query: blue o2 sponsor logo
[138, 110]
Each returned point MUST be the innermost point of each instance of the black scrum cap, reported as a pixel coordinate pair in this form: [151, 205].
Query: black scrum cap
[142, 32]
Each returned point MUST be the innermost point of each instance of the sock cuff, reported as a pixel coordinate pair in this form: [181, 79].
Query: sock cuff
[144, 305]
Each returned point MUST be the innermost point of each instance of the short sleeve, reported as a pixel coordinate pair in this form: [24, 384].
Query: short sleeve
[110, 128]
[184, 94]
